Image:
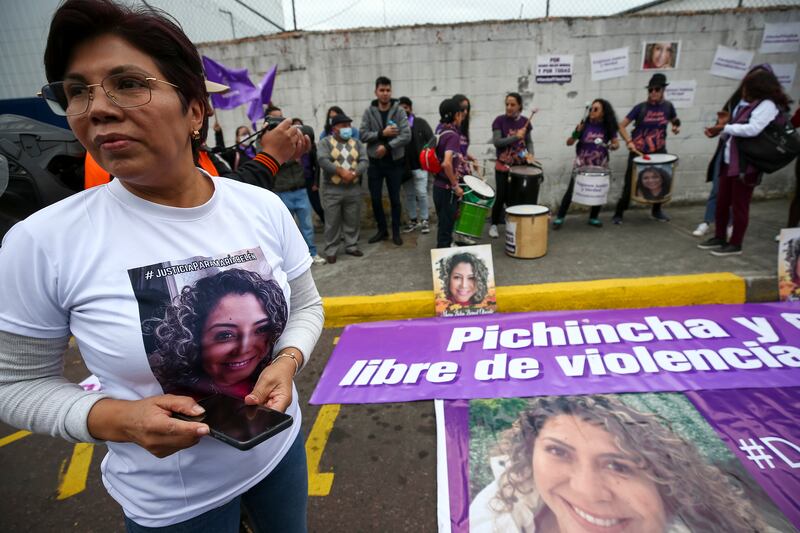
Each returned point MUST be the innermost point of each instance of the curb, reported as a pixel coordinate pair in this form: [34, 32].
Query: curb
[662, 291]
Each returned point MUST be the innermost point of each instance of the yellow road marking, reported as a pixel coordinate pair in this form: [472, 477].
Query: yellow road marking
[319, 483]
[74, 480]
[13, 437]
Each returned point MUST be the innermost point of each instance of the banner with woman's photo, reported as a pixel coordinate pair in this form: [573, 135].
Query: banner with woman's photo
[463, 280]
[655, 462]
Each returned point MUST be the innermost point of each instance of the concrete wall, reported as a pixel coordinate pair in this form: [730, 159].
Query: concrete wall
[486, 60]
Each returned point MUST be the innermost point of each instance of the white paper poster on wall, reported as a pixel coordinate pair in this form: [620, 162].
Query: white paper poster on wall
[554, 68]
[609, 64]
[781, 38]
[681, 93]
[731, 63]
[785, 72]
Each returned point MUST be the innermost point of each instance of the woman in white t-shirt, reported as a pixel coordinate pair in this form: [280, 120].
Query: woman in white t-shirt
[106, 263]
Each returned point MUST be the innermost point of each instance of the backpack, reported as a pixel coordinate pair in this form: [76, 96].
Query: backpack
[775, 147]
[428, 160]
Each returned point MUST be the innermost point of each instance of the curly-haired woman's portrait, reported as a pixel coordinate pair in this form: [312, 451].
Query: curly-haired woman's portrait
[654, 183]
[607, 463]
[463, 281]
[211, 330]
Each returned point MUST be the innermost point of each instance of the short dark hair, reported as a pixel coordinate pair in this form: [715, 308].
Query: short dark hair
[150, 30]
[405, 100]
[271, 108]
[517, 97]
[383, 80]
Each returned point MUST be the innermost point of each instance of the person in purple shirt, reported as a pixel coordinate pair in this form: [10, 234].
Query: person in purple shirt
[649, 136]
[594, 137]
[446, 183]
[511, 136]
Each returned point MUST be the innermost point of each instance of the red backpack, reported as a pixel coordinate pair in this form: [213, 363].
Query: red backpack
[428, 160]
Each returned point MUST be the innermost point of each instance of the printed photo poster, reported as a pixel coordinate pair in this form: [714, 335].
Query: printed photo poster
[209, 323]
[609, 64]
[660, 55]
[653, 178]
[463, 280]
[788, 267]
[781, 38]
[621, 462]
[731, 63]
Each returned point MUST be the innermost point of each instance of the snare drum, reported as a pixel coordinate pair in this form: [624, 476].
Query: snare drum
[475, 205]
[653, 179]
[523, 185]
[526, 231]
[591, 186]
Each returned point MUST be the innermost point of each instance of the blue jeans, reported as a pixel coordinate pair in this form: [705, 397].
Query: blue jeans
[711, 203]
[417, 190]
[277, 503]
[297, 203]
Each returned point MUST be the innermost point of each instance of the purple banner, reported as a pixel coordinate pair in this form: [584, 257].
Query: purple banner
[566, 352]
[255, 111]
[762, 428]
[241, 90]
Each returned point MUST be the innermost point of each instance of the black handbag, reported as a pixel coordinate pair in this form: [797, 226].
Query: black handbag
[772, 149]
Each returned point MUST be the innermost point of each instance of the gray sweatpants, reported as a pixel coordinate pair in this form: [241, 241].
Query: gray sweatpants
[342, 206]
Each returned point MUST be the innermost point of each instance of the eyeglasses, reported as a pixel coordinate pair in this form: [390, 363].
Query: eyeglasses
[654, 89]
[70, 98]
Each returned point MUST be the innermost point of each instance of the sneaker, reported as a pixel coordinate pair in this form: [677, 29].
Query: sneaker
[661, 216]
[595, 222]
[493, 233]
[728, 249]
[712, 243]
[778, 237]
[425, 227]
[463, 240]
[318, 260]
[411, 226]
[558, 222]
[617, 220]
[701, 230]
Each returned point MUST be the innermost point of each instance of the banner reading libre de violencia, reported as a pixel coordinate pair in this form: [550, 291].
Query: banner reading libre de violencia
[566, 352]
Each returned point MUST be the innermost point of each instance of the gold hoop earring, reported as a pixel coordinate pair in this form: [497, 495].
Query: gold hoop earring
[195, 135]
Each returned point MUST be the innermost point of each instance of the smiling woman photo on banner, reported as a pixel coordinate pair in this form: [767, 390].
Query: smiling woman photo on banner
[660, 55]
[596, 463]
[464, 283]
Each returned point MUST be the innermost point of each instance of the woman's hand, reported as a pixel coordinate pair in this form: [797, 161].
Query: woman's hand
[520, 133]
[274, 386]
[713, 131]
[148, 423]
[614, 144]
[217, 127]
[459, 191]
[631, 146]
[285, 142]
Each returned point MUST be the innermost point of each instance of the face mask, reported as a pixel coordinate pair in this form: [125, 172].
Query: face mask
[346, 133]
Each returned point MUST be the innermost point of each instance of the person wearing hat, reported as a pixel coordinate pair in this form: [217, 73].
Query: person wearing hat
[649, 136]
[343, 161]
[451, 150]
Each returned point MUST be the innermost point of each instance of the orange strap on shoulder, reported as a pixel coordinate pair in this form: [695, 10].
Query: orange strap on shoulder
[93, 174]
[207, 164]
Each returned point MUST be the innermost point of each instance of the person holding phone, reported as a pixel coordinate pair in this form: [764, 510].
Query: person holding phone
[130, 83]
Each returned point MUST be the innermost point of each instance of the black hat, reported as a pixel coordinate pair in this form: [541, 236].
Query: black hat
[339, 119]
[448, 109]
[658, 80]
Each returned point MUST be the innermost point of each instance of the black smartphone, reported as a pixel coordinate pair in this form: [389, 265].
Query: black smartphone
[238, 424]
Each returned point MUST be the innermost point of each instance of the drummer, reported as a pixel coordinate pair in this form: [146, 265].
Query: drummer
[649, 137]
[451, 151]
[594, 137]
[511, 136]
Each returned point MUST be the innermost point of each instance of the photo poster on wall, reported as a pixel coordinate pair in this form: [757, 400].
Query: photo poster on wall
[731, 63]
[781, 38]
[463, 280]
[716, 460]
[789, 265]
[660, 55]
[609, 64]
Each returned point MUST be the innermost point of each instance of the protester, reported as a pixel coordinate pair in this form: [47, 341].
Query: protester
[290, 186]
[344, 162]
[594, 138]
[239, 152]
[763, 100]
[465, 104]
[385, 130]
[712, 174]
[451, 151]
[332, 112]
[311, 172]
[649, 136]
[659, 56]
[511, 136]
[589, 463]
[159, 210]
[416, 181]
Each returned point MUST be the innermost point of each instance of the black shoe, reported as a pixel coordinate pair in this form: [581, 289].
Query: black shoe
[331, 259]
[397, 240]
[380, 236]
[712, 243]
[617, 219]
[354, 252]
[728, 249]
[660, 216]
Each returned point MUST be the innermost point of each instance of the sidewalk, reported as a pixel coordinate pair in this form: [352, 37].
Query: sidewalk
[640, 247]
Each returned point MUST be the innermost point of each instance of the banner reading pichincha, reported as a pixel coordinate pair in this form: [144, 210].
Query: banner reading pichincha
[703, 347]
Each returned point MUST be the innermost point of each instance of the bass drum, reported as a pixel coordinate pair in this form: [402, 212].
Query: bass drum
[523, 185]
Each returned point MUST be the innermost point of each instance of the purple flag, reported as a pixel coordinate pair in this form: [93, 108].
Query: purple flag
[256, 110]
[242, 89]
